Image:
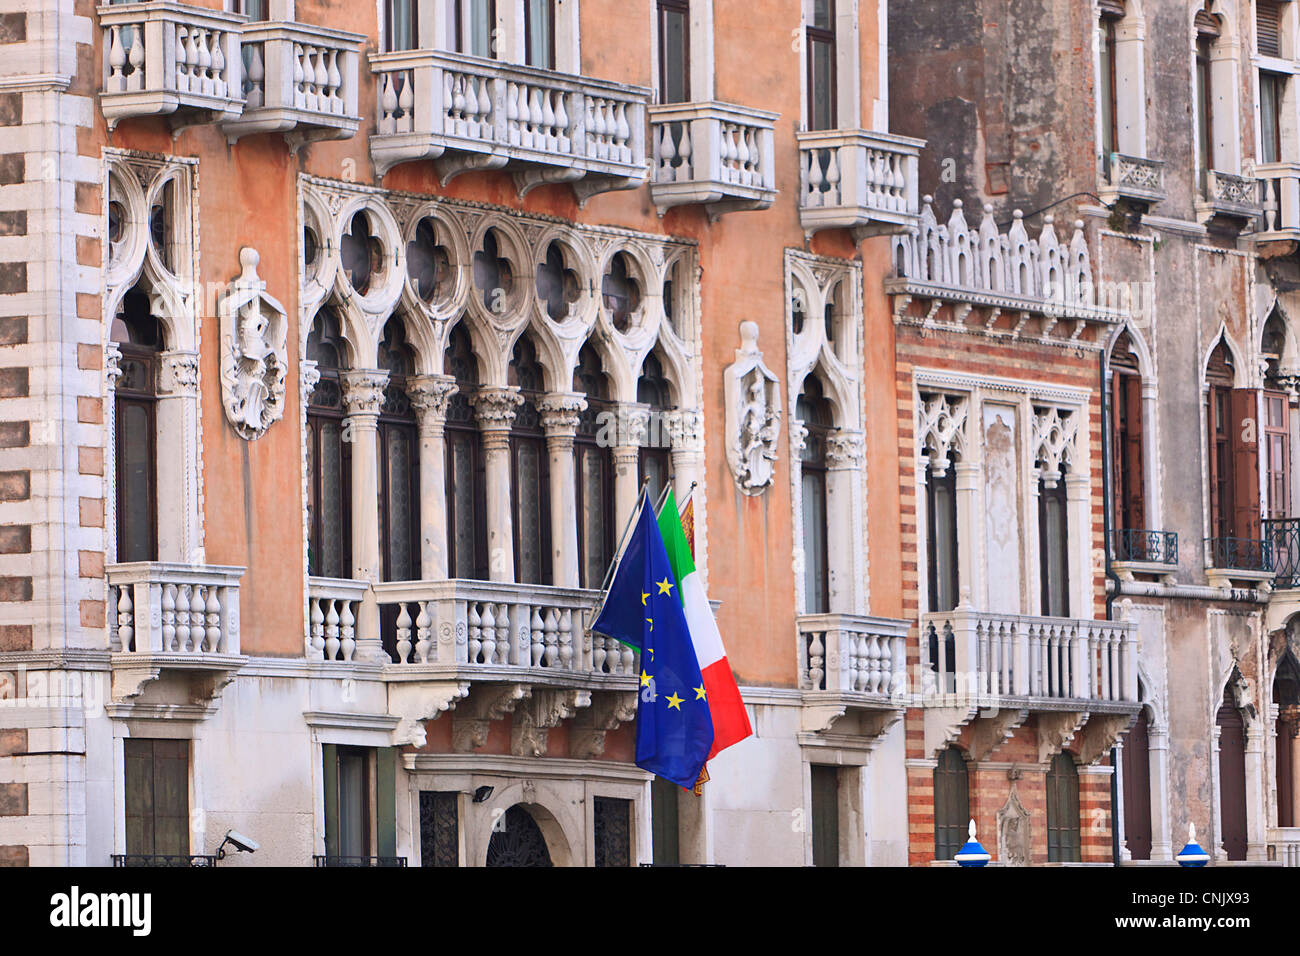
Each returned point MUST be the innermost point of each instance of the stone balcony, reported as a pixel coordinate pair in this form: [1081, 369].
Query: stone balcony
[853, 674]
[1227, 196]
[299, 80]
[1284, 845]
[483, 650]
[712, 154]
[1281, 227]
[177, 618]
[858, 180]
[466, 113]
[1133, 179]
[162, 58]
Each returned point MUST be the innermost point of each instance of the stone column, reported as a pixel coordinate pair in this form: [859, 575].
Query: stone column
[494, 406]
[633, 426]
[363, 394]
[970, 534]
[112, 372]
[844, 457]
[1079, 544]
[180, 526]
[429, 395]
[560, 412]
[1162, 847]
[1256, 832]
[686, 428]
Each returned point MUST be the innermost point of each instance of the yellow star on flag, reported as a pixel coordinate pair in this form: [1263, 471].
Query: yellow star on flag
[699, 692]
[644, 596]
[675, 701]
[651, 622]
[645, 679]
[665, 586]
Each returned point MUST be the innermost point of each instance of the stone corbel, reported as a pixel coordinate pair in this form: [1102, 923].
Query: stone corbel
[988, 732]
[943, 725]
[471, 721]
[417, 701]
[1056, 730]
[536, 716]
[588, 730]
[1099, 735]
[130, 682]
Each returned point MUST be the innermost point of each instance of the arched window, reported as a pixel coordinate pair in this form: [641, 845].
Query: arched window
[1286, 696]
[1136, 771]
[1112, 11]
[594, 462]
[815, 412]
[951, 802]
[399, 461]
[138, 335]
[1127, 450]
[530, 486]
[329, 457]
[655, 458]
[1207, 34]
[1233, 466]
[1232, 775]
[1063, 810]
[466, 496]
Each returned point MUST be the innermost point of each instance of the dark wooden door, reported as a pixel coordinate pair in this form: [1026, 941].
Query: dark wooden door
[664, 822]
[1137, 790]
[157, 785]
[825, 815]
[951, 803]
[1232, 780]
[1063, 810]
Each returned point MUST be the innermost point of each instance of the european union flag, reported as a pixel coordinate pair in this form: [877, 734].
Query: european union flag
[674, 731]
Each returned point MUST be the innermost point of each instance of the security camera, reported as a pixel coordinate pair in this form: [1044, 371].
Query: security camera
[240, 842]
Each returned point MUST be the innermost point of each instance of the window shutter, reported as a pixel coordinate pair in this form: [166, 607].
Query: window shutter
[1245, 463]
[1268, 16]
[1134, 484]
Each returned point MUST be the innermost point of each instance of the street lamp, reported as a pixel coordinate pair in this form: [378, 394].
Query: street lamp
[972, 852]
[1193, 854]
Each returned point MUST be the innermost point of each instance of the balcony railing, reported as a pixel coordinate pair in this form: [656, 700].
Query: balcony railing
[1283, 537]
[181, 611]
[1134, 178]
[1281, 201]
[299, 78]
[1147, 547]
[1284, 845]
[467, 113]
[1232, 196]
[714, 154]
[985, 655]
[857, 179]
[164, 859]
[1239, 554]
[850, 653]
[397, 861]
[162, 58]
[332, 617]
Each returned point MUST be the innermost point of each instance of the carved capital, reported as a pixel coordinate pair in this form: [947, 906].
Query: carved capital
[495, 407]
[429, 396]
[845, 449]
[561, 412]
[179, 373]
[363, 391]
[113, 364]
[308, 378]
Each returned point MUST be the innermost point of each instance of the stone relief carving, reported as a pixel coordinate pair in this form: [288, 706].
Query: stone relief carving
[753, 414]
[254, 360]
[1013, 831]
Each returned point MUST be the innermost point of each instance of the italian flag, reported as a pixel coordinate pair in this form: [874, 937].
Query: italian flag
[730, 722]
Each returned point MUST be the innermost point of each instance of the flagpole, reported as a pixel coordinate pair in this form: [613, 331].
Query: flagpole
[618, 552]
[663, 496]
[687, 500]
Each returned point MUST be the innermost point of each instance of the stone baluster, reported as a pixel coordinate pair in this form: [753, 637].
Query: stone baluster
[565, 638]
[331, 629]
[125, 622]
[423, 633]
[316, 642]
[403, 633]
[347, 631]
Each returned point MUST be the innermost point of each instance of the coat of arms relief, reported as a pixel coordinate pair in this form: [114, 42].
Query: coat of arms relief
[753, 414]
[254, 362]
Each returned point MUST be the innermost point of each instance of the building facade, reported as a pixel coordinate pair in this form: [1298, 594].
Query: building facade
[339, 342]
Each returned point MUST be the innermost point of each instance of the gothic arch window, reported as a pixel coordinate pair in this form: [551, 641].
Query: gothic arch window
[655, 458]
[594, 461]
[530, 487]
[1286, 697]
[558, 286]
[139, 337]
[428, 262]
[951, 802]
[1063, 810]
[466, 482]
[494, 275]
[362, 254]
[621, 292]
[1208, 29]
[1127, 449]
[941, 535]
[814, 410]
[399, 461]
[329, 457]
[1232, 774]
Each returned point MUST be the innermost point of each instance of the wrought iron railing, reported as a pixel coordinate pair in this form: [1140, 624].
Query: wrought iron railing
[1239, 554]
[398, 861]
[164, 859]
[1153, 547]
[1283, 537]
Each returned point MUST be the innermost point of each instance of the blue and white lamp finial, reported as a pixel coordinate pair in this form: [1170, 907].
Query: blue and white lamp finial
[1193, 854]
[972, 852]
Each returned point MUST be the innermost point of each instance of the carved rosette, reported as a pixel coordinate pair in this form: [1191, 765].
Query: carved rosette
[430, 395]
[254, 360]
[752, 397]
[845, 450]
[363, 391]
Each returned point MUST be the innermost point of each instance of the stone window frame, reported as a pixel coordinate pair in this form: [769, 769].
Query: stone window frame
[1225, 57]
[136, 180]
[1130, 76]
[972, 544]
[839, 366]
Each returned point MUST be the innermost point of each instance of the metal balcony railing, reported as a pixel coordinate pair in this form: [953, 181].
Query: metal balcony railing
[1150, 547]
[1283, 537]
[1239, 554]
[370, 861]
[164, 859]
